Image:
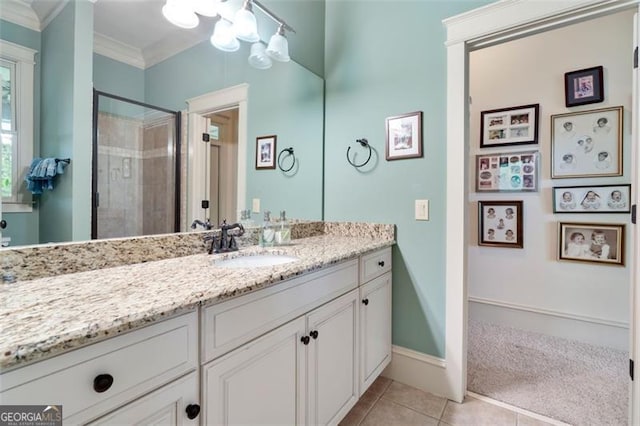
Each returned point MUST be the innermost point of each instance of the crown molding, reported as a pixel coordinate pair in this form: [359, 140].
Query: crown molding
[164, 49]
[20, 13]
[106, 46]
[52, 14]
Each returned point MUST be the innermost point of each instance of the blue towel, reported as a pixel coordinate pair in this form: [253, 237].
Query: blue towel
[42, 172]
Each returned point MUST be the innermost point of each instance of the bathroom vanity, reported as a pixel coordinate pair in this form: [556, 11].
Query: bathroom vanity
[189, 341]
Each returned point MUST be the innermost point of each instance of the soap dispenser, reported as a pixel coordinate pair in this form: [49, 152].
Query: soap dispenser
[268, 233]
[283, 232]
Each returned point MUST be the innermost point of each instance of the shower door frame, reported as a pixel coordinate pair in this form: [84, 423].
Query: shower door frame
[94, 158]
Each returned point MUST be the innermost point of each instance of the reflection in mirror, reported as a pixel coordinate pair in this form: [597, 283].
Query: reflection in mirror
[136, 168]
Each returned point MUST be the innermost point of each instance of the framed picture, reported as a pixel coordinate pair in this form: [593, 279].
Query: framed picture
[404, 136]
[583, 87]
[507, 172]
[591, 242]
[592, 199]
[587, 143]
[266, 152]
[509, 126]
[500, 224]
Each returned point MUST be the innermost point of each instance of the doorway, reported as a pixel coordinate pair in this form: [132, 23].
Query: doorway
[136, 163]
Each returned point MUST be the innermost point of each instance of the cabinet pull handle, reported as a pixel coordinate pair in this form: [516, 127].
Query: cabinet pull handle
[102, 382]
[381, 263]
[365, 301]
[192, 411]
[305, 340]
[314, 334]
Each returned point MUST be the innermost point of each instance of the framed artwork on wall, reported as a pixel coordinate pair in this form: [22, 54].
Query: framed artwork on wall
[592, 199]
[591, 242]
[509, 126]
[404, 136]
[507, 172]
[584, 87]
[265, 152]
[587, 143]
[500, 224]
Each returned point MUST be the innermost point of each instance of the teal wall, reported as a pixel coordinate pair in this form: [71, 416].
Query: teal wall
[286, 101]
[118, 78]
[66, 121]
[23, 227]
[372, 74]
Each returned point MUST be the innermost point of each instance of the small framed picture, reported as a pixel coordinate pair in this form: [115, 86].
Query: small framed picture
[404, 136]
[587, 143]
[584, 86]
[507, 172]
[509, 126]
[592, 199]
[500, 224]
[591, 242]
[265, 152]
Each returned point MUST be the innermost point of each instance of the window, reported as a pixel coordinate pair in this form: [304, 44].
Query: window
[16, 124]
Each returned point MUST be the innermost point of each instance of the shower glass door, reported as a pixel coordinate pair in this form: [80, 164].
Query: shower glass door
[136, 163]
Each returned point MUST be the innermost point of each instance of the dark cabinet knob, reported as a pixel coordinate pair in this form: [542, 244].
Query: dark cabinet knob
[192, 411]
[102, 382]
[3, 224]
[305, 340]
[381, 263]
[365, 302]
[314, 334]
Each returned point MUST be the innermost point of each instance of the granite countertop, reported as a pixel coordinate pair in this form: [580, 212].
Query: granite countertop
[43, 317]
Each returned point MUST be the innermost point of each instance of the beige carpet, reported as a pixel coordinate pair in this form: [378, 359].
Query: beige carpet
[574, 382]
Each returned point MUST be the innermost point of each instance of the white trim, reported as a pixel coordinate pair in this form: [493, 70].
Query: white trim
[19, 13]
[16, 52]
[45, 21]
[197, 153]
[419, 370]
[118, 51]
[559, 314]
[167, 48]
[493, 23]
[516, 409]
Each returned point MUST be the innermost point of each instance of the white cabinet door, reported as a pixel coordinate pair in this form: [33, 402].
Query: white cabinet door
[173, 404]
[333, 360]
[375, 329]
[261, 382]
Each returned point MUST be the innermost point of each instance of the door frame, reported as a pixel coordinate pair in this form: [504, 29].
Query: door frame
[488, 25]
[197, 151]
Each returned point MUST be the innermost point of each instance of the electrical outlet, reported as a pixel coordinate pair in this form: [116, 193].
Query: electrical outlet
[256, 205]
[422, 209]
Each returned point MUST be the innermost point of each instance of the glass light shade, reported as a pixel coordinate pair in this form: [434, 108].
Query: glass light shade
[180, 13]
[245, 26]
[206, 7]
[258, 57]
[223, 37]
[278, 48]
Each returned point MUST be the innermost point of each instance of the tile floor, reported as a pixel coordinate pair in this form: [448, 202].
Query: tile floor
[389, 403]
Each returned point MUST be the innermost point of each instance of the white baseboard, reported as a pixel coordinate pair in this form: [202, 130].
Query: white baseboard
[596, 331]
[422, 371]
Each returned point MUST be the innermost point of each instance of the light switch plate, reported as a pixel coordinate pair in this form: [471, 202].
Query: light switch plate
[256, 205]
[422, 209]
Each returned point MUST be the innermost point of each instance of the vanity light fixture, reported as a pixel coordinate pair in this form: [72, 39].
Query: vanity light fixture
[226, 33]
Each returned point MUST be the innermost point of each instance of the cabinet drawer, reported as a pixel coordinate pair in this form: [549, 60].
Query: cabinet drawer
[375, 264]
[228, 325]
[138, 362]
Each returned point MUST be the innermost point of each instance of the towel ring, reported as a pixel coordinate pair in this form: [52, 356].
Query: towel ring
[291, 154]
[364, 143]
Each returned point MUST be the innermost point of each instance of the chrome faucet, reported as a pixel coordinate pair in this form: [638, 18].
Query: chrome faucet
[206, 224]
[225, 242]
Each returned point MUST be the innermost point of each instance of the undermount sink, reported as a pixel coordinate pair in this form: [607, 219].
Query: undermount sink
[256, 260]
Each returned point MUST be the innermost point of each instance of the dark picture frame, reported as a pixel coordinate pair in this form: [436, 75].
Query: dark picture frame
[404, 136]
[584, 86]
[601, 243]
[507, 172]
[592, 199]
[587, 143]
[509, 126]
[500, 224]
[266, 152]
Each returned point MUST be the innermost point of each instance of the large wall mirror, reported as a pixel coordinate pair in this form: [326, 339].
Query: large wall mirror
[137, 54]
